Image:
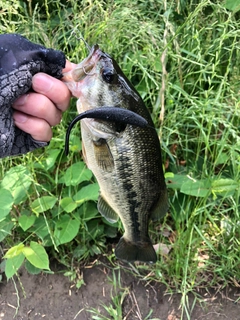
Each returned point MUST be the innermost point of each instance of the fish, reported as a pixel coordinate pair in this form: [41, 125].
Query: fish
[125, 158]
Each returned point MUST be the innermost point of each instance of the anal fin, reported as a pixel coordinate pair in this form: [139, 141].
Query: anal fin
[106, 210]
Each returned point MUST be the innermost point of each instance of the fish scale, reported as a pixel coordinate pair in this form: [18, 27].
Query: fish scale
[125, 158]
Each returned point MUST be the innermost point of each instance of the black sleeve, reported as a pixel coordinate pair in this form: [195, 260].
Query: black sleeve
[20, 59]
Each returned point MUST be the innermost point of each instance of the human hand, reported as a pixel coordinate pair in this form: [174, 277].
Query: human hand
[36, 112]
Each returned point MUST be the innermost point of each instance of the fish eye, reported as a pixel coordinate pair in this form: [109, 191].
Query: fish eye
[108, 75]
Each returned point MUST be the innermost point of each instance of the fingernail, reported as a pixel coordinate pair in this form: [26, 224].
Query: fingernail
[21, 101]
[41, 83]
[20, 117]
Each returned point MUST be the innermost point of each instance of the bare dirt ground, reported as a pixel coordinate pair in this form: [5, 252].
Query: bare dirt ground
[53, 297]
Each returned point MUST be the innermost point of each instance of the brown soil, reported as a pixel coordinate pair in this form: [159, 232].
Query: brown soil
[53, 297]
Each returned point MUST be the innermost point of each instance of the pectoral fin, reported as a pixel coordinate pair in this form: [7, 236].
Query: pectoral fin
[84, 155]
[103, 155]
[106, 211]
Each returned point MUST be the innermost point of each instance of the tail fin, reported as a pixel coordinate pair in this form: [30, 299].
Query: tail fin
[130, 252]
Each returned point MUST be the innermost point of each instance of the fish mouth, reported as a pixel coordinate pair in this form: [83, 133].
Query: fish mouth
[86, 67]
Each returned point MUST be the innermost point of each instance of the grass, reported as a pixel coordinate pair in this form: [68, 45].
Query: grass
[183, 57]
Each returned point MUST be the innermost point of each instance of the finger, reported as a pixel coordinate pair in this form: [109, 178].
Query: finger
[69, 66]
[39, 106]
[39, 129]
[52, 88]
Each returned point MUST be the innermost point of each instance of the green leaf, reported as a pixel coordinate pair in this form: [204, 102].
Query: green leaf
[75, 144]
[233, 5]
[51, 159]
[43, 204]
[26, 222]
[222, 158]
[197, 188]
[68, 204]
[76, 174]
[168, 175]
[224, 187]
[13, 264]
[14, 251]
[6, 202]
[80, 251]
[42, 230]
[36, 255]
[176, 181]
[110, 232]
[95, 229]
[17, 180]
[6, 226]
[89, 192]
[31, 268]
[158, 64]
[66, 229]
[88, 211]
[95, 249]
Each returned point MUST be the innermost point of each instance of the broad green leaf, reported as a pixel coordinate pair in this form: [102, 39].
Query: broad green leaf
[43, 204]
[168, 175]
[176, 181]
[94, 229]
[26, 222]
[42, 230]
[95, 249]
[233, 5]
[66, 229]
[17, 180]
[80, 251]
[6, 202]
[13, 264]
[89, 192]
[222, 158]
[6, 226]
[110, 232]
[68, 204]
[51, 158]
[31, 268]
[12, 176]
[197, 188]
[14, 251]
[88, 211]
[36, 255]
[75, 144]
[224, 187]
[76, 174]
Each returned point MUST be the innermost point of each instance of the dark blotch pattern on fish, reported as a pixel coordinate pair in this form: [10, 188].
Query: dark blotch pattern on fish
[126, 171]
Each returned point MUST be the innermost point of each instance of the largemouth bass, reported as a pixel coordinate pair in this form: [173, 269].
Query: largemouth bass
[125, 158]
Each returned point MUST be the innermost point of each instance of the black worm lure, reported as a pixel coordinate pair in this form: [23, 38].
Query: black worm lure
[111, 114]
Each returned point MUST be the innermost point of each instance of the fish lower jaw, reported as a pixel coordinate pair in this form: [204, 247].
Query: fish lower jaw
[74, 88]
